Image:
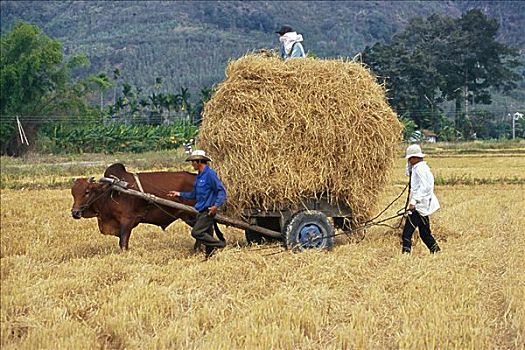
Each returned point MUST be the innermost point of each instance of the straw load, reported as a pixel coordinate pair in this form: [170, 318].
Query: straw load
[282, 131]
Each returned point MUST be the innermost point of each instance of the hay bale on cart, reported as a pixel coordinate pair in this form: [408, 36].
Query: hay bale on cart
[300, 134]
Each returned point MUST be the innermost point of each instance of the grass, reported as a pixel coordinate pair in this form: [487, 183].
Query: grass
[468, 170]
[56, 171]
[503, 164]
[64, 285]
[477, 148]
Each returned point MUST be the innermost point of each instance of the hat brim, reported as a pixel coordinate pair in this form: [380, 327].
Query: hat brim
[190, 158]
[419, 155]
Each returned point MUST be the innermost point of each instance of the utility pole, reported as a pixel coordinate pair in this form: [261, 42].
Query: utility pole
[431, 113]
[466, 94]
[466, 101]
[515, 117]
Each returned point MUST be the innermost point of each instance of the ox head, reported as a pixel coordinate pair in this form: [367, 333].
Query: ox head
[85, 192]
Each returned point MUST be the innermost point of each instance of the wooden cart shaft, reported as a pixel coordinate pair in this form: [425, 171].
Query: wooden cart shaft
[121, 186]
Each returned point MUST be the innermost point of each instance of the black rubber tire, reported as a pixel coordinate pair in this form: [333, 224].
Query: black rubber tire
[309, 229]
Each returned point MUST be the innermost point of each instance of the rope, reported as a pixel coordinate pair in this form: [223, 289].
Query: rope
[150, 200]
[370, 223]
[137, 180]
[93, 200]
[391, 203]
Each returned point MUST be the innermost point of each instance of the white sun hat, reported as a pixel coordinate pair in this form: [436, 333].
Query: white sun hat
[198, 154]
[414, 151]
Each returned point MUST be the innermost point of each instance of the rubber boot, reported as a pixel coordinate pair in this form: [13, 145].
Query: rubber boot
[210, 251]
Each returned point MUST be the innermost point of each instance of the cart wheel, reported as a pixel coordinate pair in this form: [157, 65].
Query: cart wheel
[309, 229]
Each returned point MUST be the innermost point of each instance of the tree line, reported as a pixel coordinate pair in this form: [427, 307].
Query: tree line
[434, 61]
[442, 59]
[39, 84]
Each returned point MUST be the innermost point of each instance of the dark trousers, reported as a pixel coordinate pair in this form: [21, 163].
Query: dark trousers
[413, 221]
[203, 231]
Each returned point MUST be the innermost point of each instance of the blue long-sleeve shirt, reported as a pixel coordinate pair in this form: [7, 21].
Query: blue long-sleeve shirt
[208, 190]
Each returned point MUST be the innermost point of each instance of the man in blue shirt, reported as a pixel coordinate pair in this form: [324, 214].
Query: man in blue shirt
[210, 194]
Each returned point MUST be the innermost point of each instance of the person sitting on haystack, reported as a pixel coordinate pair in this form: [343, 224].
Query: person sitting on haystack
[291, 46]
[423, 201]
[210, 194]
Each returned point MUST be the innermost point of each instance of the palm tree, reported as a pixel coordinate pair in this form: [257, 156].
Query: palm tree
[102, 83]
[155, 107]
[185, 99]
[116, 77]
[163, 103]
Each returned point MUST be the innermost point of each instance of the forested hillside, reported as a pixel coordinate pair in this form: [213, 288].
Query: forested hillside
[189, 43]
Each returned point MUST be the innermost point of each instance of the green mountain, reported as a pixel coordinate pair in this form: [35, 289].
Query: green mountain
[189, 43]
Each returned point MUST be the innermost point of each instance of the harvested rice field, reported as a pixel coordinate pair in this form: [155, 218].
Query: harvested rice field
[66, 286]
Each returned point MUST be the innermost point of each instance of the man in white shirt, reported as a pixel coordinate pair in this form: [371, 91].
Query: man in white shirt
[423, 201]
[291, 43]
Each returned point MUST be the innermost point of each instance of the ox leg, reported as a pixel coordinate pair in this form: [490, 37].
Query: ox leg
[124, 233]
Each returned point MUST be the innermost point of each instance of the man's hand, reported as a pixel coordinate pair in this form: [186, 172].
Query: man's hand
[212, 211]
[173, 194]
[408, 169]
[410, 210]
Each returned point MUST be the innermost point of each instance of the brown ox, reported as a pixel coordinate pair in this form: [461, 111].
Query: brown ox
[118, 213]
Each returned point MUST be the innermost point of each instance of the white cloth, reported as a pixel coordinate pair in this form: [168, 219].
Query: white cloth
[288, 39]
[422, 189]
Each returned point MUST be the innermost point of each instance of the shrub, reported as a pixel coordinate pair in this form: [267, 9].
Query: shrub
[112, 137]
